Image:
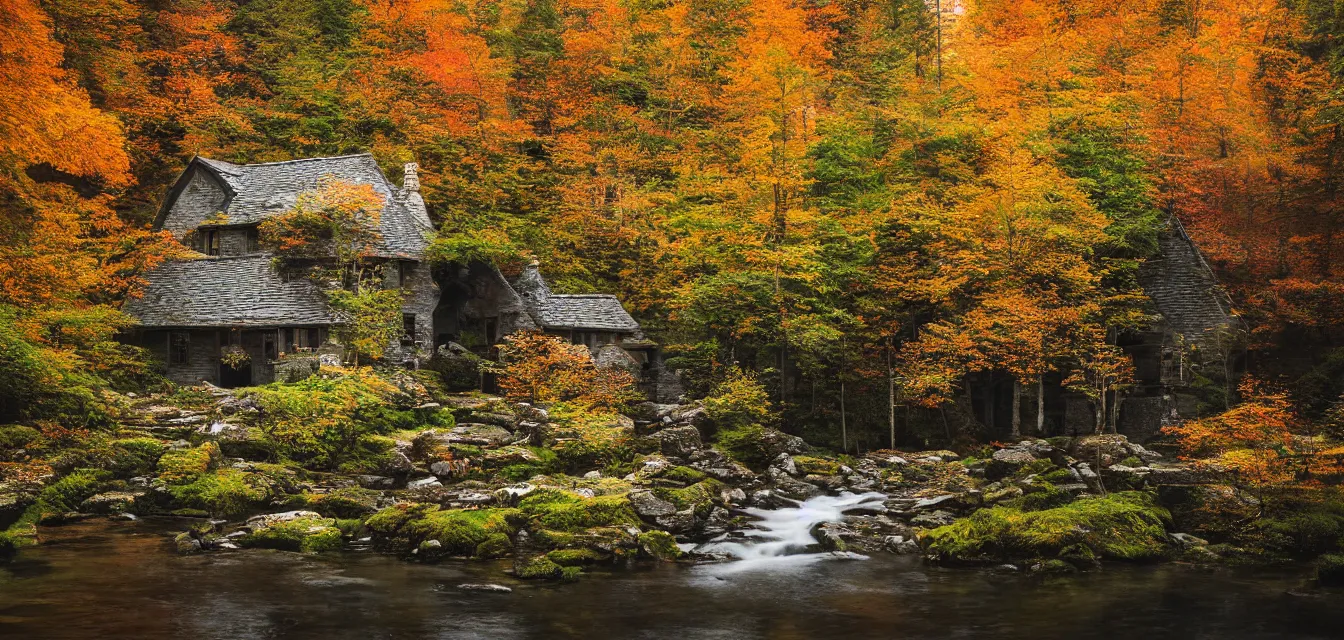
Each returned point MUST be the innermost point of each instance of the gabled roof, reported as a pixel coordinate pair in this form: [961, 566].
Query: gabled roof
[1183, 288]
[227, 292]
[598, 311]
[258, 191]
[595, 311]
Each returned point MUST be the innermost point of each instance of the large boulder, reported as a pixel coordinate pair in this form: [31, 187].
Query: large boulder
[610, 356]
[648, 505]
[1005, 462]
[1102, 450]
[679, 441]
[292, 531]
[428, 443]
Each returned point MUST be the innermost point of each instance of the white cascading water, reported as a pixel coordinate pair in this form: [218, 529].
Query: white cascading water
[782, 536]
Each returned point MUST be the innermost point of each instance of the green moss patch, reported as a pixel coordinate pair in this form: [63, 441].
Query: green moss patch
[1122, 526]
[226, 492]
[566, 512]
[459, 532]
[349, 502]
[181, 465]
[309, 535]
[659, 545]
[819, 466]
[701, 496]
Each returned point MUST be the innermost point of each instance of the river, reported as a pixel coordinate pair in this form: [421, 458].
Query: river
[101, 579]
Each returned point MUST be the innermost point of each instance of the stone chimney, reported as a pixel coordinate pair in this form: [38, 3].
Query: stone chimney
[412, 180]
[533, 289]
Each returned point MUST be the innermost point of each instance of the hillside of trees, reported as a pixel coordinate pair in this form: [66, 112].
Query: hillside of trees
[875, 201]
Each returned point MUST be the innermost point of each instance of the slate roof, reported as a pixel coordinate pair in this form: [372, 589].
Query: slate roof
[263, 190]
[594, 311]
[1183, 288]
[243, 291]
[586, 311]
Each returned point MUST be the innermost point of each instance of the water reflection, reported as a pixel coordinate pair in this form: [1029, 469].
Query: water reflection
[121, 580]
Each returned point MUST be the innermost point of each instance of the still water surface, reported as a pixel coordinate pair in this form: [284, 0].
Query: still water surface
[122, 580]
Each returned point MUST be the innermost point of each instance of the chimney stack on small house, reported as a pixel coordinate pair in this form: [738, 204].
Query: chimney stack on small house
[412, 180]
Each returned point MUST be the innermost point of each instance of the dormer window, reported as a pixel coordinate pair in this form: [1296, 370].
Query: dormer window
[212, 242]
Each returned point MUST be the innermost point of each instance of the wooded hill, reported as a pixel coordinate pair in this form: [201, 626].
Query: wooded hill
[874, 199]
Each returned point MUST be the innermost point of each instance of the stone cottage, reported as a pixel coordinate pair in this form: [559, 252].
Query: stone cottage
[234, 299]
[197, 316]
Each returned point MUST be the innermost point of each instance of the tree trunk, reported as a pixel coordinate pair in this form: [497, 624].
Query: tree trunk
[1040, 405]
[1017, 410]
[891, 396]
[844, 428]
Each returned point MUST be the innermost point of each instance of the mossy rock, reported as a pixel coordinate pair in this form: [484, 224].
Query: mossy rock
[347, 502]
[819, 466]
[1122, 526]
[1330, 570]
[659, 545]
[186, 543]
[1036, 467]
[181, 465]
[562, 511]
[1039, 497]
[685, 475]
[543, 568]
[1057, 476]
[308, 534]
[66, 495]
[576, 557]
[701, 496]
[495, 546]
[135, 456]
[17, 436]
[225, 492]
[459, 532]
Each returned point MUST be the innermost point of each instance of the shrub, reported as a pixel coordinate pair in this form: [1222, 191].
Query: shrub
[740, 401]
[1122, 526]
[327, 421]
[541, 368]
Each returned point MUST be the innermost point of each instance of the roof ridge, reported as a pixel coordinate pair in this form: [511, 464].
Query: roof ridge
[294, 161]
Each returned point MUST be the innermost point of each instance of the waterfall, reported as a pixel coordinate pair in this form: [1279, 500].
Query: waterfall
[783, 536]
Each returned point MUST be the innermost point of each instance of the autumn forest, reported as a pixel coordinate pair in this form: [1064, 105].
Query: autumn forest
[875, 225]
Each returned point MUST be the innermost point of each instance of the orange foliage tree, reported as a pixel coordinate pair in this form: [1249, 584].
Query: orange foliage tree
[1253, 441]
[535, 367]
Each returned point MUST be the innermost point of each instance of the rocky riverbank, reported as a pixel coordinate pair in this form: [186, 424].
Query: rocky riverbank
[472, 475]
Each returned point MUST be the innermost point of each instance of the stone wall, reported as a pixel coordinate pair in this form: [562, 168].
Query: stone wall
[202, 198]
[202, 356]
[422, 298]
